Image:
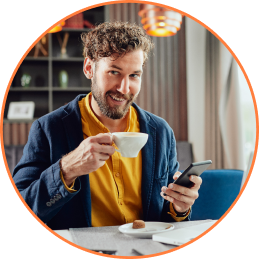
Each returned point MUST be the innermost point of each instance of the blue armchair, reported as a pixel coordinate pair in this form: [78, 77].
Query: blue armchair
[218, 191]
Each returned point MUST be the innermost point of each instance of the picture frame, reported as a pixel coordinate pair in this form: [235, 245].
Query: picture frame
[21, 110]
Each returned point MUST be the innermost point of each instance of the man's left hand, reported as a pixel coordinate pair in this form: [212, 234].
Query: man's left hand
[181, 197]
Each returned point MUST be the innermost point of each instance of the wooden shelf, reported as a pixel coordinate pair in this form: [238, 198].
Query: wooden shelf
[23, 89]
[36, 59]
[69, 59]
[75, 29]
[71, 89]
[20, 120]
[44, 87]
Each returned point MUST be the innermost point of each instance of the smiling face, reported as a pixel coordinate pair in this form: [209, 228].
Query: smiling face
[115, 83]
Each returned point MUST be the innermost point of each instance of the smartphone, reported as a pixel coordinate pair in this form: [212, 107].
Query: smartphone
[194, 169]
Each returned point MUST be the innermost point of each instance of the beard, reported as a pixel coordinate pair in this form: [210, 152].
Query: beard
[116, 112]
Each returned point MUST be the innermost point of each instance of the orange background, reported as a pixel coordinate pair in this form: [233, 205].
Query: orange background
[236, 25]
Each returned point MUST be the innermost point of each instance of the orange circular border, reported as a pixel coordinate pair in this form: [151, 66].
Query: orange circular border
[236, 25]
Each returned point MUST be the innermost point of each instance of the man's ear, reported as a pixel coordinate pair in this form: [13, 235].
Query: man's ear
[88, 68]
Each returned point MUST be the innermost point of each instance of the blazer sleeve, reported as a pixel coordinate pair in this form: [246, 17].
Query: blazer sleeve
[38, 180]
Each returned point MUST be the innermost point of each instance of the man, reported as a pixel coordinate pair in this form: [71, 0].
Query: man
[70, 174]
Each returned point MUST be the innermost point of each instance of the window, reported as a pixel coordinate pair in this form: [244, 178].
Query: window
[248, 116]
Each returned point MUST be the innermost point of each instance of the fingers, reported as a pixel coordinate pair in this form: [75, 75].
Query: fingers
[103, 157]
[180, 196]
[100, 143]
[109, 150]
[186, 195]
[181, 190]
[102, 138]
[101, 149]
[176, 175]
[197, 182]
[91, 154]
[179, 205]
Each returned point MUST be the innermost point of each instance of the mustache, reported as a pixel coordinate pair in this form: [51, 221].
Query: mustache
[128, 97]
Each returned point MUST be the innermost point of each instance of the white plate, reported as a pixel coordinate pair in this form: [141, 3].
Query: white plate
[150, 229]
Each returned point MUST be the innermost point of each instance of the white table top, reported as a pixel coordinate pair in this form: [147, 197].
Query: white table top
[107, 238]
[65, 233]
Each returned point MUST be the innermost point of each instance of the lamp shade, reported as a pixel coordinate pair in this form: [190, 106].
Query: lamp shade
[159, 21]
[57, 28]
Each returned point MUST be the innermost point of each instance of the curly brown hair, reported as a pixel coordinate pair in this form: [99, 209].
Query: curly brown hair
[119, 38]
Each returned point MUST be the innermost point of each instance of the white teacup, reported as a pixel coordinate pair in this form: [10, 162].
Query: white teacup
[129, 143]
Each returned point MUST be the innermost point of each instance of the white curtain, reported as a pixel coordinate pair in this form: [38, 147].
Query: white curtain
[223, 130]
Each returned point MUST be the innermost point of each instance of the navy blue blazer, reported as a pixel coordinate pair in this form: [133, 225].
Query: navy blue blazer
[37, 175]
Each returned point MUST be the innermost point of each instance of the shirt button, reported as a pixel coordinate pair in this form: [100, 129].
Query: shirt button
[48, 204]
[118, 174]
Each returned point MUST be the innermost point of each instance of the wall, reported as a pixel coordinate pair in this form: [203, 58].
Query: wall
[195, 55]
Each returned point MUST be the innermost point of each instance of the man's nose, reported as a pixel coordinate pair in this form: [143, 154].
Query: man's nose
[124, 86]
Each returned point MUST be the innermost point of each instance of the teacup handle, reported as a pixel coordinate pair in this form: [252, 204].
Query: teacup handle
[115, 144]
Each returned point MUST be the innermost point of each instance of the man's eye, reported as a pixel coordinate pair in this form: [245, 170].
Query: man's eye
[135, 75]
[114, 72]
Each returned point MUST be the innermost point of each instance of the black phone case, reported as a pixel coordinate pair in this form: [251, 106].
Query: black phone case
[194, 169]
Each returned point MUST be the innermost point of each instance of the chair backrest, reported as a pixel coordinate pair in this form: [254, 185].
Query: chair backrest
[218, 191]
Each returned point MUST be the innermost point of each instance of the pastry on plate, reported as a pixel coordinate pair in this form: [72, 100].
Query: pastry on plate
[138, 224]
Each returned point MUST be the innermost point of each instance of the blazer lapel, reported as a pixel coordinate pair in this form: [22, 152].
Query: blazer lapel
[148, 160]
[74, 134]
[73, 127]
[148, 169]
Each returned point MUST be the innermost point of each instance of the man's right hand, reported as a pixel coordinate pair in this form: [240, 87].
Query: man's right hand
[90, 155]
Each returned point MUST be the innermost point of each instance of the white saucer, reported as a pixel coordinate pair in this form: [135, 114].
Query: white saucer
[150, 229]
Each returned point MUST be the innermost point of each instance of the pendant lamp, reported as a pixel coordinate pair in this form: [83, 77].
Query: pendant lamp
[159, 21]
[57, 28]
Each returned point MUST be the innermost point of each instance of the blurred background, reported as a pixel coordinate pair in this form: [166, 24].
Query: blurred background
[191, 80]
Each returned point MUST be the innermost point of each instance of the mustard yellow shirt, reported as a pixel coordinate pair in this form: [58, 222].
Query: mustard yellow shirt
[116, 186]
